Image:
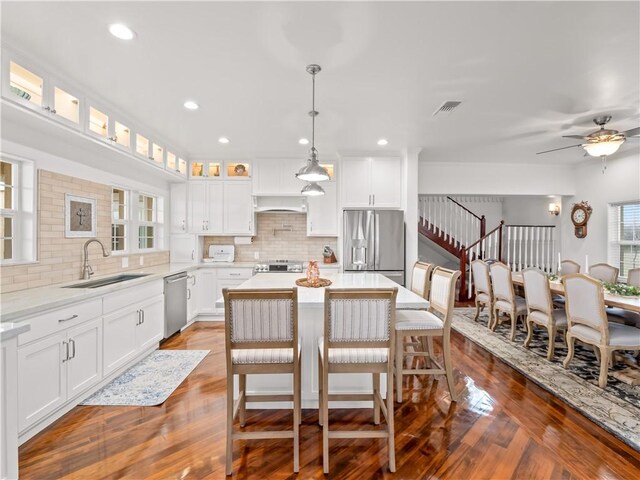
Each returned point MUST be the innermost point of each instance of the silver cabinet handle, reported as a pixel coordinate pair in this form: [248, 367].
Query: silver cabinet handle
[234, 274]
[194, 280]
[46, 109]
[311, 226]
[66, 344]
[53, 110]
[374, 199]
[188, 294]
[193, 254]
[62, 320]
[142, 316]
[73, 343]
[139, 317]
[184, 226]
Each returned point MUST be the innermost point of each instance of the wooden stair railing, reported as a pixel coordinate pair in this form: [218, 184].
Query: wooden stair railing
[487, 247]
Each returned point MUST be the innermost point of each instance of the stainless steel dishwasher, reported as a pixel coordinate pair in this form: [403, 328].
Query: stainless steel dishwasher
[175, 303]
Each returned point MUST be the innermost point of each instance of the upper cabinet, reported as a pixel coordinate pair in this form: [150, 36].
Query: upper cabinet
[26, 84]
[371, 182]
[322, 212]
[278, 176]
[217, 170]
[205, 169]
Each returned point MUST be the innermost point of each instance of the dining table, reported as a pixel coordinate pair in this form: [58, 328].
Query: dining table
[310, 329]
[631, 304]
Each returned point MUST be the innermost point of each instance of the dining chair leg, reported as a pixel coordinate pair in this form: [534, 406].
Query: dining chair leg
[446, 347]
[399, 360]
[320, 377]
[604, 368]
[376, 403]
[552, 343]
[514, 320]
[390, 423]
[570, 345]
[296, 419]
[494, 323]
[229, 449]
[325, 422]
[475, 319]
[530, 326]
[430, 350]
[242, 389]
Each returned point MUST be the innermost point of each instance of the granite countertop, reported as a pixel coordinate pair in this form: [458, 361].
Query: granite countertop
[314, 297]
[24, 303]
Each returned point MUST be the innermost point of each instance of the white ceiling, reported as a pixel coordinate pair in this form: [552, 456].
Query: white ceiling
[526, 73]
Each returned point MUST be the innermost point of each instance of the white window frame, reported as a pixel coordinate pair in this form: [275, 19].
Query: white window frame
[156, 222]
[615, 242]
[23, 213]
[126, 221]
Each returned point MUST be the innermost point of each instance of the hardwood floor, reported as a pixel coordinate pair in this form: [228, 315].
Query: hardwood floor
[503, 426]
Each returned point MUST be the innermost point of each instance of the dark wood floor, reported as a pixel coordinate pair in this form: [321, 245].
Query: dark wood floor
[503, 427]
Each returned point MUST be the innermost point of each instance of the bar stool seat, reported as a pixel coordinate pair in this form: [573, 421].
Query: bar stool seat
[354, 355]
[417, 319]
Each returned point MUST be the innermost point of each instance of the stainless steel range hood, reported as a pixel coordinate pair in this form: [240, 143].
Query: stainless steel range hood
[272, 203]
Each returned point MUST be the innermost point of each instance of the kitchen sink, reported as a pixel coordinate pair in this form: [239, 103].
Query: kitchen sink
[107, 281]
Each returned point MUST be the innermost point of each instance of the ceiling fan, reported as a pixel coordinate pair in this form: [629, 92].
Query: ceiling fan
[603, 142]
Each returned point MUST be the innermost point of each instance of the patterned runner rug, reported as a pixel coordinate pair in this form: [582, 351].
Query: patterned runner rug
[150, 381]
[616, 408]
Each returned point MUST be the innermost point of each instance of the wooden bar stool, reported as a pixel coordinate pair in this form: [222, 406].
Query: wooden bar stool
[261, 331]
[358, 337]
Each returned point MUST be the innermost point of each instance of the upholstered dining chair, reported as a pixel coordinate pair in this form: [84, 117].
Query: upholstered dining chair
[424, 325]
[633, 277]
[359, 336]
[567, 267]
[421, 278]
[588, 322]
[604, 272]
[505, 299]
[540, 308]
[261, 331]
[482, 286]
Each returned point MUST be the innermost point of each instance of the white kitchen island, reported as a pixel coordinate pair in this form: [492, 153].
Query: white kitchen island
[311, 328]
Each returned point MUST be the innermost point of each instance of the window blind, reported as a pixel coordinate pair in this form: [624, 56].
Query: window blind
[624, 236]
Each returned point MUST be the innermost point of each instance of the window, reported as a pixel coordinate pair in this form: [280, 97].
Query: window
[147, 219]
[119, 217]
[624, 236]
[17, 212]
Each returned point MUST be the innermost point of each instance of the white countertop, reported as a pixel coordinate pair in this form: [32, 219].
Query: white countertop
[315, 296]
[25, 303]
[9, 330]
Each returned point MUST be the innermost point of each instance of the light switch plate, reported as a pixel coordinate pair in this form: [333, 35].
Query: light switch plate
[141, 260]
[125, 262]
[256, 255]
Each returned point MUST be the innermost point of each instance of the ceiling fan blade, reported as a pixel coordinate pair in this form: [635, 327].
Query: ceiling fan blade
[579, 137]
[632, 133]
[561, 148]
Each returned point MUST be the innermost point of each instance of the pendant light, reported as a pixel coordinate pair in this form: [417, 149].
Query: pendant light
[313, 172]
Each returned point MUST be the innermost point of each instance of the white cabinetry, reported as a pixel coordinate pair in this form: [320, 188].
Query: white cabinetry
[179, 208]
[84, 367]
[277, 176]
[192, 296]
[206, 291]
[183, 248]
[322, 213]
[206, 207]
[367, 182]
[9, 408]
[238, 208]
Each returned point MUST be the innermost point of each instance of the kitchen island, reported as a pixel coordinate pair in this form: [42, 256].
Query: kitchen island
[311, 328]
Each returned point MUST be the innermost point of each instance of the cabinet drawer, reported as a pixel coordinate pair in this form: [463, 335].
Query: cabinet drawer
[117, 300]
[235, 273]
[60, 319]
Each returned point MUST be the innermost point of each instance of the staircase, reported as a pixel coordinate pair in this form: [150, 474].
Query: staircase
[453, 227]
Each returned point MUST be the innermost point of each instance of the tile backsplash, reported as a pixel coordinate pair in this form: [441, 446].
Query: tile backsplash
[273, 239]
[60, 258]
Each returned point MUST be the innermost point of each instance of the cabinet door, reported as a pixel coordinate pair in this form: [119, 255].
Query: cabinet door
[42, 379]
[386, 182]
[266, 179]
[151, 329]
[192, 296]
[119, 333]
[198, 211]
[183, 248]
[289, 183]
[206, 284]
[179, 208]
[66, 105]
[225, 284]
[238, 208]
[24, 84]
[322, 216]
[215, 204]
[355, 182]
[84, 367]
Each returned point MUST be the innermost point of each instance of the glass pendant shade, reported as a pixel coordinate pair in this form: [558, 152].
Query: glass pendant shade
[312, 189]
[601, 149]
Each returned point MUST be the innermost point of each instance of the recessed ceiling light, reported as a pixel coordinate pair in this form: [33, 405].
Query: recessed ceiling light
[191, 105]
[121, 31]
[382, 142]
[223, 140]
[303, 141]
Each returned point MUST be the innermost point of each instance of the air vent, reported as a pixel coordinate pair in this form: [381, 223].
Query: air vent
[447, 107]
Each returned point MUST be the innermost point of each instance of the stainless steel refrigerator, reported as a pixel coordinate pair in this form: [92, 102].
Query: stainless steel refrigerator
[374, 242]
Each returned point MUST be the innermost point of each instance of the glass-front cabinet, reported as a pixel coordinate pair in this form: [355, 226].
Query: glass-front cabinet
[172, 161]
[238, 170]
[142, 146]
[205, 169]
[66, 105]
[157, 154]
[182, 166]
[25, 86]
[122, 135]
[98, 123]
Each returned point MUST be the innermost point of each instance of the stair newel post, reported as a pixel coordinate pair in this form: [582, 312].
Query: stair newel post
[500, 241]
[463, 277]
[483, 226]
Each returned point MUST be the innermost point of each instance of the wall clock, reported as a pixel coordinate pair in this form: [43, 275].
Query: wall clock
[580, 214]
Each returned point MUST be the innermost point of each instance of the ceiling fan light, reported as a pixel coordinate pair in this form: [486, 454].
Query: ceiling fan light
[603, 149]
[312, 190]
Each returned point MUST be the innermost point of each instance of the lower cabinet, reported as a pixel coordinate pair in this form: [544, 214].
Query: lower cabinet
[206, 291]
[132, 330]
[56, 369]
[192, 296]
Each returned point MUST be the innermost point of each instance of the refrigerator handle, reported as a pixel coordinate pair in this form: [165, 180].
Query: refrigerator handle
[376, 253]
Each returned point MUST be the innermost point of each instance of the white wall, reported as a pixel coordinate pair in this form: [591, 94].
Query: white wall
[494, 179]
[620, 182]
[410, 206]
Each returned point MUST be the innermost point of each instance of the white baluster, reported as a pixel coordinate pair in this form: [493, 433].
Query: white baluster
[508, 242]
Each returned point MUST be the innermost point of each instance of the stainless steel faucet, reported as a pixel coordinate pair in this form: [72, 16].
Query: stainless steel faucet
[87, 271]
